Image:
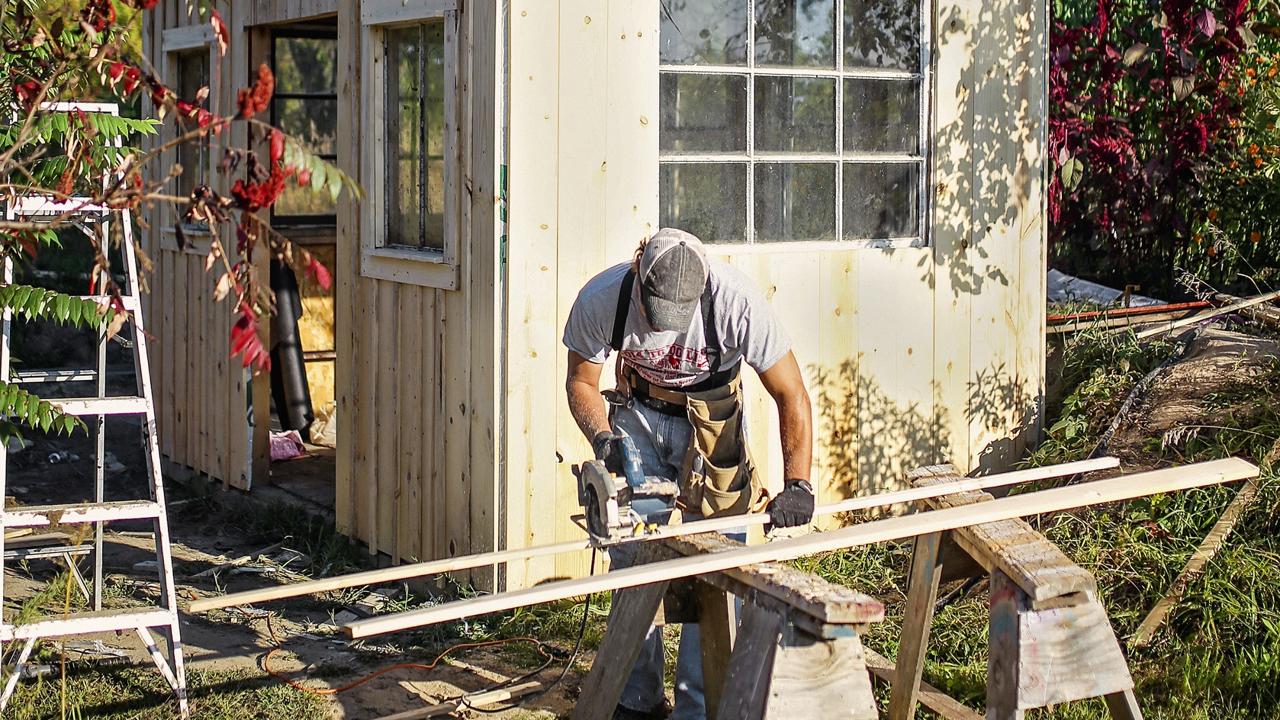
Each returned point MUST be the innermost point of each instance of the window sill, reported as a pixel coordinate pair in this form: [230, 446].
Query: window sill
[812, 246]
[411, 267]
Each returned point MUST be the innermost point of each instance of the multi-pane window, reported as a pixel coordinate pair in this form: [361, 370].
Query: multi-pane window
[415, 130]
[192, 73]
[794, 120]
[305, 106]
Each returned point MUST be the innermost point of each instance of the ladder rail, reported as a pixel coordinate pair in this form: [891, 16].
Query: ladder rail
[99, 406]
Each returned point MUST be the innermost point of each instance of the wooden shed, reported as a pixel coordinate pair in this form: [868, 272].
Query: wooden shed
[876, 166]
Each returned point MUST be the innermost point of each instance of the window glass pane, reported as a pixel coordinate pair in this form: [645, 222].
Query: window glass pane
[796, 33]
[306, 65]
[703, 113]
[304, 201]
[415, 136]
[795, 114]
[706, 199]
[882, 34]
[193, 156]
[707, 32]
[881, 200]
[795, 201]
[882, 115]
[314, 122]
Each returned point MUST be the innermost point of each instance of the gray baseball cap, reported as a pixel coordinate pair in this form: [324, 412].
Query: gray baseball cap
[673, 274]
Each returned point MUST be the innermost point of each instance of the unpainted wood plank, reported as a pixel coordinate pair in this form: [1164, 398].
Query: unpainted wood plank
[436, 533]
[477, 140]
[922, 592]
[165, 340]
[618, 651]
[366, 418]
[1007, 605]
[346, 329]
[717, 621]
[746, 691]
[896, 424]
[940, 703]
[532, 386]
[1124, 705]
[805, 592]
[408, 505]
[1209, 547]
[1068, 653]
[893, 528]
[832, 380]
[820, 679]
[1038, 567]
[389, 445]
[585, 95]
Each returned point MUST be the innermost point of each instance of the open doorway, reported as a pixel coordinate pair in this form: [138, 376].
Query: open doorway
[303, 439]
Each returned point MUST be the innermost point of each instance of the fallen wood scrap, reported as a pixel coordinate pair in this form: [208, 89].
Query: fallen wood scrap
[889, 529]
[1259, 313]
[237, 562]
[882, 669]
[467, 562]
[1163, 328]
[1121, 317]
[481, 698]
[1209, 547]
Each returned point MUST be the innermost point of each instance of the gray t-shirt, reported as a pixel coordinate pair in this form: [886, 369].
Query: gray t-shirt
[746, 326]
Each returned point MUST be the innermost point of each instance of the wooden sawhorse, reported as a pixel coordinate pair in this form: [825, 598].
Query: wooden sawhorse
[797, 652]
[1050, 639]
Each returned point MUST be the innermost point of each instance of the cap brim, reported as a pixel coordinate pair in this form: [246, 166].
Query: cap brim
[666, 315]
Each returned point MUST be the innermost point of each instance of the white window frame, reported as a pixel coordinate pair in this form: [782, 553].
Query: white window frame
[173, 42]
[750, 158]
[426, 267]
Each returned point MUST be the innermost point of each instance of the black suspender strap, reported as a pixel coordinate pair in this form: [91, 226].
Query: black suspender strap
[709, 329]
[624, 307]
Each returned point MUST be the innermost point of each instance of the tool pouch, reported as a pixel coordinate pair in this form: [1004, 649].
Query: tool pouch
[718, 477]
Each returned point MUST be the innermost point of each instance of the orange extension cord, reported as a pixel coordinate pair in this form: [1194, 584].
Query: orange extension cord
[390, 668]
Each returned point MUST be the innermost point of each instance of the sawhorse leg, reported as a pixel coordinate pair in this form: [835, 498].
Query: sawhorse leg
[632, 614]
[922, 592]
[717, 621]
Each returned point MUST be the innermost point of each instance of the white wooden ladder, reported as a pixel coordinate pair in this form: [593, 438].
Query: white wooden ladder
[164, 615]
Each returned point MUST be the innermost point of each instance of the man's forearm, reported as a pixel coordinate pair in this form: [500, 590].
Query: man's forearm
[795, 419]
[588, 408]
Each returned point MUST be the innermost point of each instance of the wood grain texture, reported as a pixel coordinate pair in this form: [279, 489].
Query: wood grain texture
[922, 592]
[820, 679]
[1068, 653]
[1007, 605]
[346, 372]
[894, 528]
[1037, 566]
[746, 691]
[618, 651]
[940, 703]
[718, 625]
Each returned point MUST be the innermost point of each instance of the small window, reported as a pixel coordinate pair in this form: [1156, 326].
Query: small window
[305, 107]
[794, 120]
[414, 160]
[192, 73]
[409, 171]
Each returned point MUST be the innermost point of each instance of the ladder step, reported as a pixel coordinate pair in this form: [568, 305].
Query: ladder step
[35, 377]
[121, 405]
[89, 622]
[76, 513]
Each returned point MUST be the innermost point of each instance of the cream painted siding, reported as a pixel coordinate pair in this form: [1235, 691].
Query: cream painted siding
[914, 355]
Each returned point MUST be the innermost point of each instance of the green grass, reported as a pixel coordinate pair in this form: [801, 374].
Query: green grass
[1218, 655]
[140, 694]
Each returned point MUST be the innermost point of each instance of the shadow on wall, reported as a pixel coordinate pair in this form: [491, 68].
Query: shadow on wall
[986, 168]
[867, 440]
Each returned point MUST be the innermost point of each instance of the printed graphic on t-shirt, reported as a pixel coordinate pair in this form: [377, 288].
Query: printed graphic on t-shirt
[673, 365]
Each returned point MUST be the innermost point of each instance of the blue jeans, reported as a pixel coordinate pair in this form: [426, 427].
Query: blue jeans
[662, 441]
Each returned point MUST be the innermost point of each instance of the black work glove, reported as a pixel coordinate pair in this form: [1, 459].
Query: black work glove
[605, 446]
[793, 506]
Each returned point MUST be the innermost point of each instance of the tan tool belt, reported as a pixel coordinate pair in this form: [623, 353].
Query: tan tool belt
[718, 477]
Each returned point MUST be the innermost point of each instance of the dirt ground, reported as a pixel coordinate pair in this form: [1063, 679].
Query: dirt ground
[313, 651]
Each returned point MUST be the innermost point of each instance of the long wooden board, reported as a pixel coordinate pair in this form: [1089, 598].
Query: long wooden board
[889, 529]
[415, 570]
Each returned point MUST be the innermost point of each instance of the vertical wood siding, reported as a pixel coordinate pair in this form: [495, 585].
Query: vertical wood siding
[201, 394]
[416, 367]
